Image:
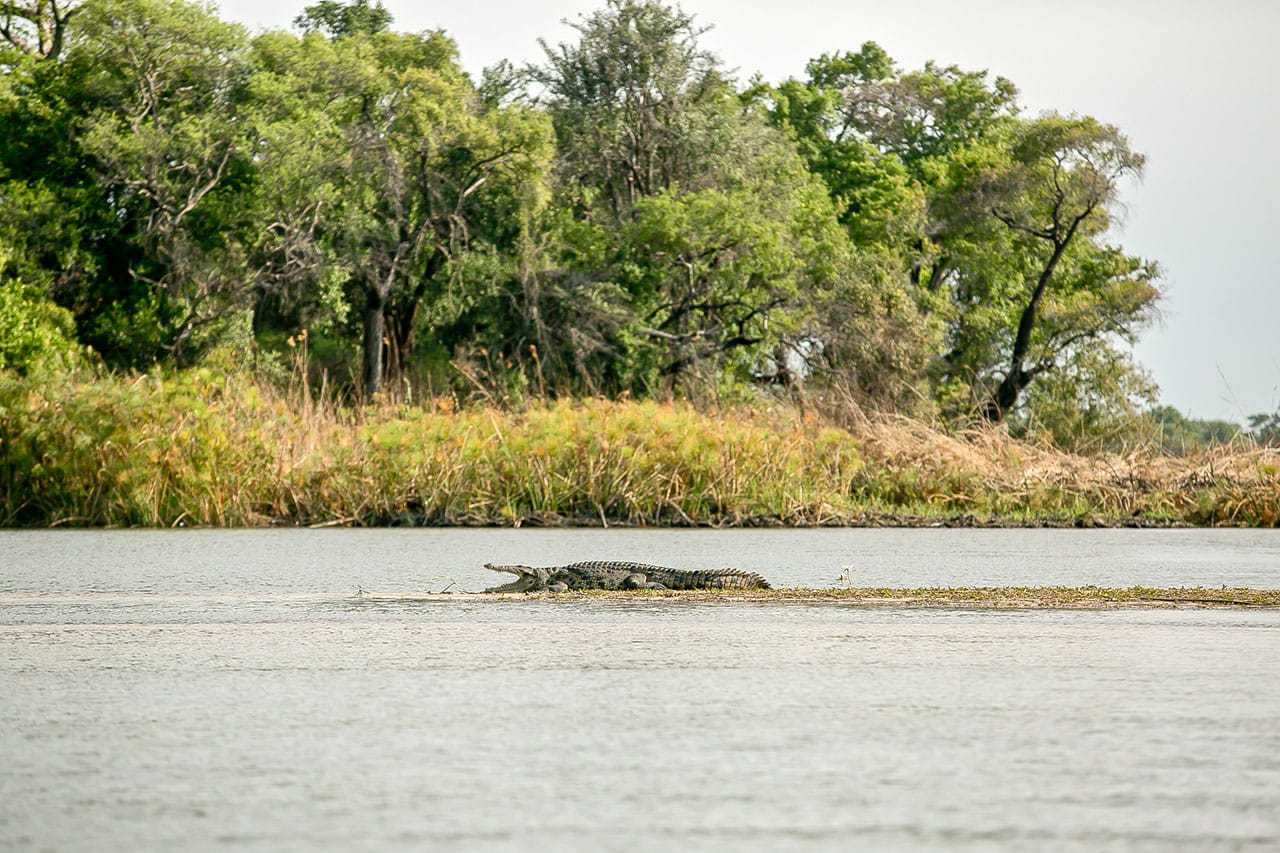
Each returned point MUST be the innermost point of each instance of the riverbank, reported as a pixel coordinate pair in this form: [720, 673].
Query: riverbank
[208, 450]
[985, 598]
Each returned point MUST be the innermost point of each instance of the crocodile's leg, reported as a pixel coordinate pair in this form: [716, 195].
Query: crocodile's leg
[639, 580]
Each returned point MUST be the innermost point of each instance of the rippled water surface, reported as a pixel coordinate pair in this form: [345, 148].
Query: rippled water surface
[201, 690]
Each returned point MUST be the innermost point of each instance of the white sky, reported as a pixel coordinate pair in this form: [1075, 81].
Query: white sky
[1191, 82]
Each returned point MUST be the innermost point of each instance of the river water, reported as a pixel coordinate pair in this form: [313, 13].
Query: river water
[197, 690]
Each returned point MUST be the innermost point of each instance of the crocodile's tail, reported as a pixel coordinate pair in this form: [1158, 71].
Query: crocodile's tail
[716, 579]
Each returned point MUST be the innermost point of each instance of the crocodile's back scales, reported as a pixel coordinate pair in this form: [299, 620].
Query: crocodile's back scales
[587, 573]
[618, 574]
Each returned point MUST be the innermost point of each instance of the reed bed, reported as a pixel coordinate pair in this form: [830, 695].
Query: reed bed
[200, 450]
[208, 450]
[984, 474]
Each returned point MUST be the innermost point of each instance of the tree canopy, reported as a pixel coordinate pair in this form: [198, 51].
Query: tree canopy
[622, 217]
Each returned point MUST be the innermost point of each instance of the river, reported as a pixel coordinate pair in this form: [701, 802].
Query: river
[199, 690]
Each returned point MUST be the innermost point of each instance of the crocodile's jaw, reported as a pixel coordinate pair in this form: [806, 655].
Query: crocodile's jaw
[527, 579]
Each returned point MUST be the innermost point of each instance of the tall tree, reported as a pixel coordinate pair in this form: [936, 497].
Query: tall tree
[403, 155]
[1055, 195]
[726, 247]
[882, 139]
[1000, 221]
[1265, 427]
[721, 277]
[639, 106]
[169, 146]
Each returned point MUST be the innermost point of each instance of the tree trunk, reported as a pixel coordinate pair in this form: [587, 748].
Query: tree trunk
[402, 315]
[1007, 394]
[1018, 378]
[374, 335]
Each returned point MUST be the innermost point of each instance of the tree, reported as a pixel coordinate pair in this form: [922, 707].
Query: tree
[344, 19]
[168, 145]
[731, 258]
[1055, 194]
[98, 213]
[1093, 402]
[1000, 221]
[36, 27]
[1265, 427]
[49, 216]
[719, 272]
[880, 138]
[34, 331]
[403, 154]
[639, 107]
[1181, 435]
[655, 157]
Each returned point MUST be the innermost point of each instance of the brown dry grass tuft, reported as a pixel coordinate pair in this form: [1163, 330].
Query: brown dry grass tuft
[987, 469]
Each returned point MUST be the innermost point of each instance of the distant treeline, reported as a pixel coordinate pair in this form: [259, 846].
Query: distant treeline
[622, 219]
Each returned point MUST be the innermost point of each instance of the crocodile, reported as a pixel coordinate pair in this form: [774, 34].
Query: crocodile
[621, 575]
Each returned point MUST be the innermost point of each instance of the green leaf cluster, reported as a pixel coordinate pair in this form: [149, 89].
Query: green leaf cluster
[35, 333]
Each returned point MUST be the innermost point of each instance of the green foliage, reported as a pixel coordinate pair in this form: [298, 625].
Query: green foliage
[716, 276]
[1046, 193]
[1265, 427]
[35, 333]
[1182, 435]
[165, 138]
[997, 220]
[877, 136]
[344, 19]
[639, 107]
[1091, 405]
[54, 215]
[381, 165]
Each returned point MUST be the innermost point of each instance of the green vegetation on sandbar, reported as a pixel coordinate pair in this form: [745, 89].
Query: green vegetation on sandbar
[202, 449]
[1055, 597]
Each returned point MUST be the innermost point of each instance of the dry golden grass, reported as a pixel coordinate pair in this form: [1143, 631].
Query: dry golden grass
[986, 470]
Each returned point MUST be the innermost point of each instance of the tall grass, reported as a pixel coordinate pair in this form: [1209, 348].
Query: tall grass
[205, 449]
[984, 474]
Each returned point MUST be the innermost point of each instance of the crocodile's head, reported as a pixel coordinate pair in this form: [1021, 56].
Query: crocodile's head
[528, 578]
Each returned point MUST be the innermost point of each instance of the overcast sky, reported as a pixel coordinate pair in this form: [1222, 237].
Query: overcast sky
[1192, 83]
